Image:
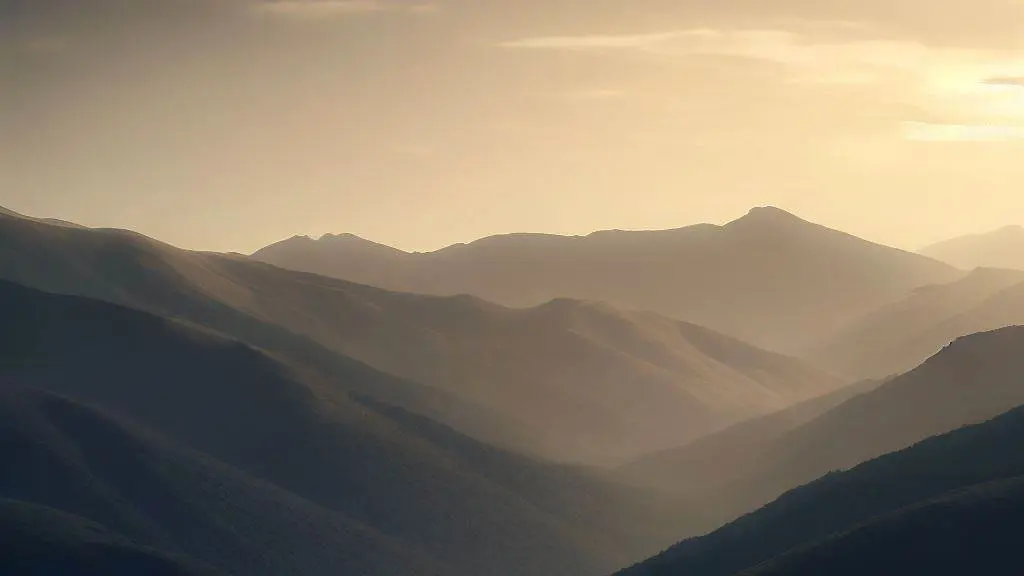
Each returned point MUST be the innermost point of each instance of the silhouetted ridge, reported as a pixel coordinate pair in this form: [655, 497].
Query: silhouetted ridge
[769, 278]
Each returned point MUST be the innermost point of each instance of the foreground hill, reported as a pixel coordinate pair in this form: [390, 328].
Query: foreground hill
[901, 335]
[1003, 248]
[566, 379]
[40, 541]
[905, 503]
[245, 451]
[969, 532]
[768, 278]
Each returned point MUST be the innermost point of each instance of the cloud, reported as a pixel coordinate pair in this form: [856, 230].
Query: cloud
[323, 9]
[930, 132]
[1013, 81]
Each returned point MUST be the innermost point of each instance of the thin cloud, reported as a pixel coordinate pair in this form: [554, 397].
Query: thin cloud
[929, 132]
[1006, 81]
[322, 9]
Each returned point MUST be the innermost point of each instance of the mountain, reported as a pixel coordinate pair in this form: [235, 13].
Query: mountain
[769, 278]
[901, 335]
[929, 497]
[566, 379]
[39, 541]
[189, 441]
[969, 532]
[973, 379]
[1002, 248]
[92, 494]
[731, 454]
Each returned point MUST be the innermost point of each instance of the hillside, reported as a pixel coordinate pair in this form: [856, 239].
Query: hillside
[969, 532]
[973, 379]
[567, 379]
[325, 451]
[729, 455]
[768, 278]
[40, 541]
[901, 335]
[1002, 248]
[849, 504]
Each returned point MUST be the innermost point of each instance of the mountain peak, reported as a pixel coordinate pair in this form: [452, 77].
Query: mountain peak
[768, 216]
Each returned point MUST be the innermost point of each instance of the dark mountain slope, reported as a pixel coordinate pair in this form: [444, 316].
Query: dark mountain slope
[40, 541]
[839, 502]
[976, 531]
[1002, 248]
[901, 335]
[474, 507]
[85, 464]
[566, 379]
[769, 278]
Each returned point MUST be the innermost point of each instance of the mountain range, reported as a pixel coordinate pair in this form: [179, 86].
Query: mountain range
[768, 278]
[185, 413]
[567, 379]
[231, 450]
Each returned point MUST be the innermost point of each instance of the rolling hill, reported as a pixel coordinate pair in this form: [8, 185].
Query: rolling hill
[898, 337]
[908, 503]
[566, 379]
[203, 445]
[1002, 248]
[973, 379]
[729, 455]
[769, 278]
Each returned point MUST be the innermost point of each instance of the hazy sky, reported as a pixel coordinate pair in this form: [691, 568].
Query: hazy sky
[229, 124]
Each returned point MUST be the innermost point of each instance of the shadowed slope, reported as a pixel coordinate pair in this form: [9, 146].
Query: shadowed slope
[839, 502]
[40, 541]
[976, 531]
[769, 278]
[470, 506]
[566, 379]
[151, 493]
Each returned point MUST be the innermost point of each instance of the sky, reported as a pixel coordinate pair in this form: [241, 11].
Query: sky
[230, 124]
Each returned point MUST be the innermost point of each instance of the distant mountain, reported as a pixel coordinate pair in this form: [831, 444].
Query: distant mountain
[972, 380]
[949, 505]
[729, 455]
[768, 278]
[201, 445]
[566, 379]
[1003, 248]
[901, 335]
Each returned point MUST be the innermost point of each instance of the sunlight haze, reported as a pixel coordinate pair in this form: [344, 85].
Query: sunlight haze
[230, 124]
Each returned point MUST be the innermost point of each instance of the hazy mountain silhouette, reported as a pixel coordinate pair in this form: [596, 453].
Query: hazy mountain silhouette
[731, 454]
[565, 379]
[1002, 248]
[768, 278]
[898, 337]
[901, 513]
[972, 380]
[901, 335]
[370, 486]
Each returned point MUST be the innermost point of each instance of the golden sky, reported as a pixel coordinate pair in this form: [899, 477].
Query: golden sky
[229, 124]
